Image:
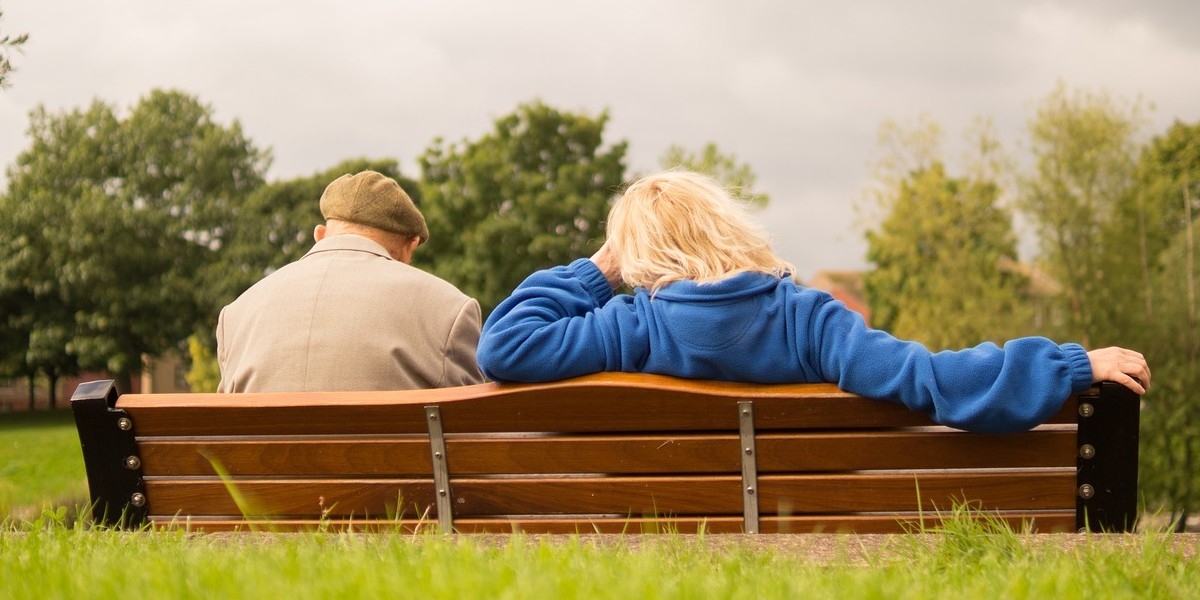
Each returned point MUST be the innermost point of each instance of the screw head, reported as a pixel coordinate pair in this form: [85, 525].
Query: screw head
[1086, 410]
[138, 499]
[124, 424]
[132, 462]
[1087, 451]
[1086, 491]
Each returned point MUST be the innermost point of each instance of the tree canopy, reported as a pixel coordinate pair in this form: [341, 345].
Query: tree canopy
[111, 219]
[945, 249]
[530, 194]
[1084, 154]
[1161, 314]
[8, 45]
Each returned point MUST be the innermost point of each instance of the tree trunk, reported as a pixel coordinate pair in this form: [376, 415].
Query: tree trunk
[124, 382]
[53, 378]
[32, 392]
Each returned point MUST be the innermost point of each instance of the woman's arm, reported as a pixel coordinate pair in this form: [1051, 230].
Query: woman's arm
[560, 323]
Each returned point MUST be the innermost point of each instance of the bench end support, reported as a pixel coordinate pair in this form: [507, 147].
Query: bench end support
[110, 457]
[1107, 475]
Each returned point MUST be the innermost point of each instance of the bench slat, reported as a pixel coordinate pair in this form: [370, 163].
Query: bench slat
[906, 522]
[777, 493]
[868, 450]
[312, 457]
[366, 498]
[1042, 521]
[664, 453]
[595, 403]
[635, 496]
[561, 414]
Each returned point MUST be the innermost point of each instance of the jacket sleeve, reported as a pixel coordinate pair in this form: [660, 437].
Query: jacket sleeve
[459, 366]
[985, 388]
[559, 323]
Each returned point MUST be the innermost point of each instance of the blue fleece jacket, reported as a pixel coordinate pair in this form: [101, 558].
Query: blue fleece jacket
[565, 322]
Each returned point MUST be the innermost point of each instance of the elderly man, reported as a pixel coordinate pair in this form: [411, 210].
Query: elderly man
[352, 314]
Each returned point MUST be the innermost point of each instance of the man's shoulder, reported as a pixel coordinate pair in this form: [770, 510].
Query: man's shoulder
[369, 274]
[433, 283]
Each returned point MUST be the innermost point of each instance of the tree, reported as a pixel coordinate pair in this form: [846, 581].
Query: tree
[16, 305]
[204, 374]
[1168, 173]
[1166, 328]
[1171, 419]
[945, 250]
[736, 176]
[35, 235]
[1117, 228]
[8, 44]
[1084, 156]
[529, 195]
[111, 220]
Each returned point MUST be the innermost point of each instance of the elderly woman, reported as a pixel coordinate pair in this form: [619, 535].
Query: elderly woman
[711, 300]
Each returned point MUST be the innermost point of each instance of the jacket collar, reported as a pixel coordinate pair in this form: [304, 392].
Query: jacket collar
[348, 241]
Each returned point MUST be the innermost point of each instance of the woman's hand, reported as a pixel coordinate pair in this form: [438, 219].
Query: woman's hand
[607, 262]
[1125, 367]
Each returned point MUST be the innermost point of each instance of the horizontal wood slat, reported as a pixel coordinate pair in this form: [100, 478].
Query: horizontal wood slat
[320, 458]
[674, 453]
[596, 403]
[792, 494]
[868, 450]
[909, 522]
[798, 494]
[1039, 521]
[367, 498]
[623, 496]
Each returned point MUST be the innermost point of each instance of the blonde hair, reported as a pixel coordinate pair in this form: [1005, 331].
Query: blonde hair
[679, 225]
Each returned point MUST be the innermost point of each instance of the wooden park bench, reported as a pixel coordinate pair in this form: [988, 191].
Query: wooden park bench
[598, 454]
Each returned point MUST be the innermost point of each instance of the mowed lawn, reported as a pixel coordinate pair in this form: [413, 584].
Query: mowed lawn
[41, 464]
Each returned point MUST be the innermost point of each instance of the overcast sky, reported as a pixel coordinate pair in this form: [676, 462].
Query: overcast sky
[796, 89]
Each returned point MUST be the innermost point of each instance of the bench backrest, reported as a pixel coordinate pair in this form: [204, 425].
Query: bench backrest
[602, 453]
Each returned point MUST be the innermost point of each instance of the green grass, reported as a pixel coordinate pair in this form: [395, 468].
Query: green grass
[53, 560]
[41, 464]
[45, 554]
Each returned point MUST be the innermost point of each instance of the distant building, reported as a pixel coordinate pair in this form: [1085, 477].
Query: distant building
[848, 286]
[160, 375]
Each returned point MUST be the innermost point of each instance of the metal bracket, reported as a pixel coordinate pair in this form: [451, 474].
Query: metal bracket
[110, 457]
[441, 472]
[1107, 461]
[749, 466]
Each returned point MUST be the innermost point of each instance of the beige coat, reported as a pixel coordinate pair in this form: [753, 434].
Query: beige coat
[347, 316]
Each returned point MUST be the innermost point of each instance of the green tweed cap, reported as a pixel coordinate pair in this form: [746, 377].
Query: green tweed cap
[373, 199]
